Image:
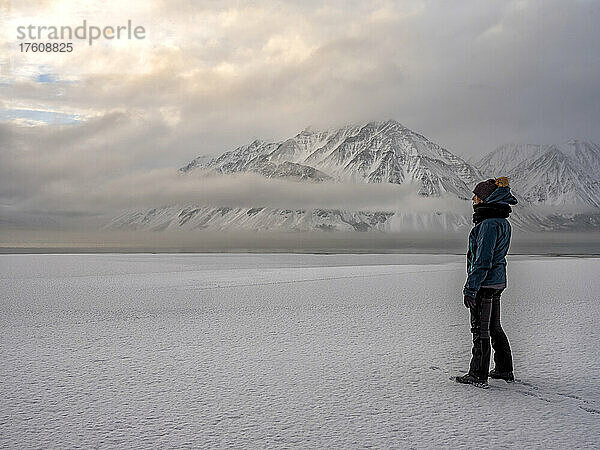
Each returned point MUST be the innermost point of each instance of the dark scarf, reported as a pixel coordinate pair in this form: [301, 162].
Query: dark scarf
[487, 210]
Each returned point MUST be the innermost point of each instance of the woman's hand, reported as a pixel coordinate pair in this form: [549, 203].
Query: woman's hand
[469, 301]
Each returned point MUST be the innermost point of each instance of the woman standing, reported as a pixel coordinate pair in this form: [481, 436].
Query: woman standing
[486, 269]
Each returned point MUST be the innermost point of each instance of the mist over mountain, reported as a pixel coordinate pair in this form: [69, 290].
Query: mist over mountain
[550, 181]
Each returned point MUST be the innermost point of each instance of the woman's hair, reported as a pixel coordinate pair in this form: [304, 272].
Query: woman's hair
[501, 181]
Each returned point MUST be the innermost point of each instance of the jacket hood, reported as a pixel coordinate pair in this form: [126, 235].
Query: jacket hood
[501, 195]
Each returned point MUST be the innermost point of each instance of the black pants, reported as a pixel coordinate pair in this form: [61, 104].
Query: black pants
[485, 323]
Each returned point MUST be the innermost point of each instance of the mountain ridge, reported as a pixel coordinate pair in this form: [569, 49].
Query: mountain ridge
[388, 152]
[555, 175]
[383, 151]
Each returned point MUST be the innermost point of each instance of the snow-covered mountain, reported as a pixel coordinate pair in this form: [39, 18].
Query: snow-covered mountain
[182, 217]
[388, 152]
[508, 156]
[562, 176]
[378, 152]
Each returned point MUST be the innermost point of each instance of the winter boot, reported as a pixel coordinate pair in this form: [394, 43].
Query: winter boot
[471, 379]
[506, 376]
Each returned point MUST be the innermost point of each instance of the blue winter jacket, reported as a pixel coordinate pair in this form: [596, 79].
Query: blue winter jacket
[488, 245]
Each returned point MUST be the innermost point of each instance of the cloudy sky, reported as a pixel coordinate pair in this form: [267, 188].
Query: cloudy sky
[212, 75]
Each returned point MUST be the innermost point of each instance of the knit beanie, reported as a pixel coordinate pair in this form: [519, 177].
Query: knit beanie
[485, 188]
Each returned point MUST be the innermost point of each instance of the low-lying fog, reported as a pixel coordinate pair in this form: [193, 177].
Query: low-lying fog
[30, 241]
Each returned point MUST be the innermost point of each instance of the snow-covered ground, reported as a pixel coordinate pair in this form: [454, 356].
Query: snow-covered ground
[289, 350]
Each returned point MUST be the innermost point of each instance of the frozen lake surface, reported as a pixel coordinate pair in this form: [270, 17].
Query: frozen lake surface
[254, 350]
